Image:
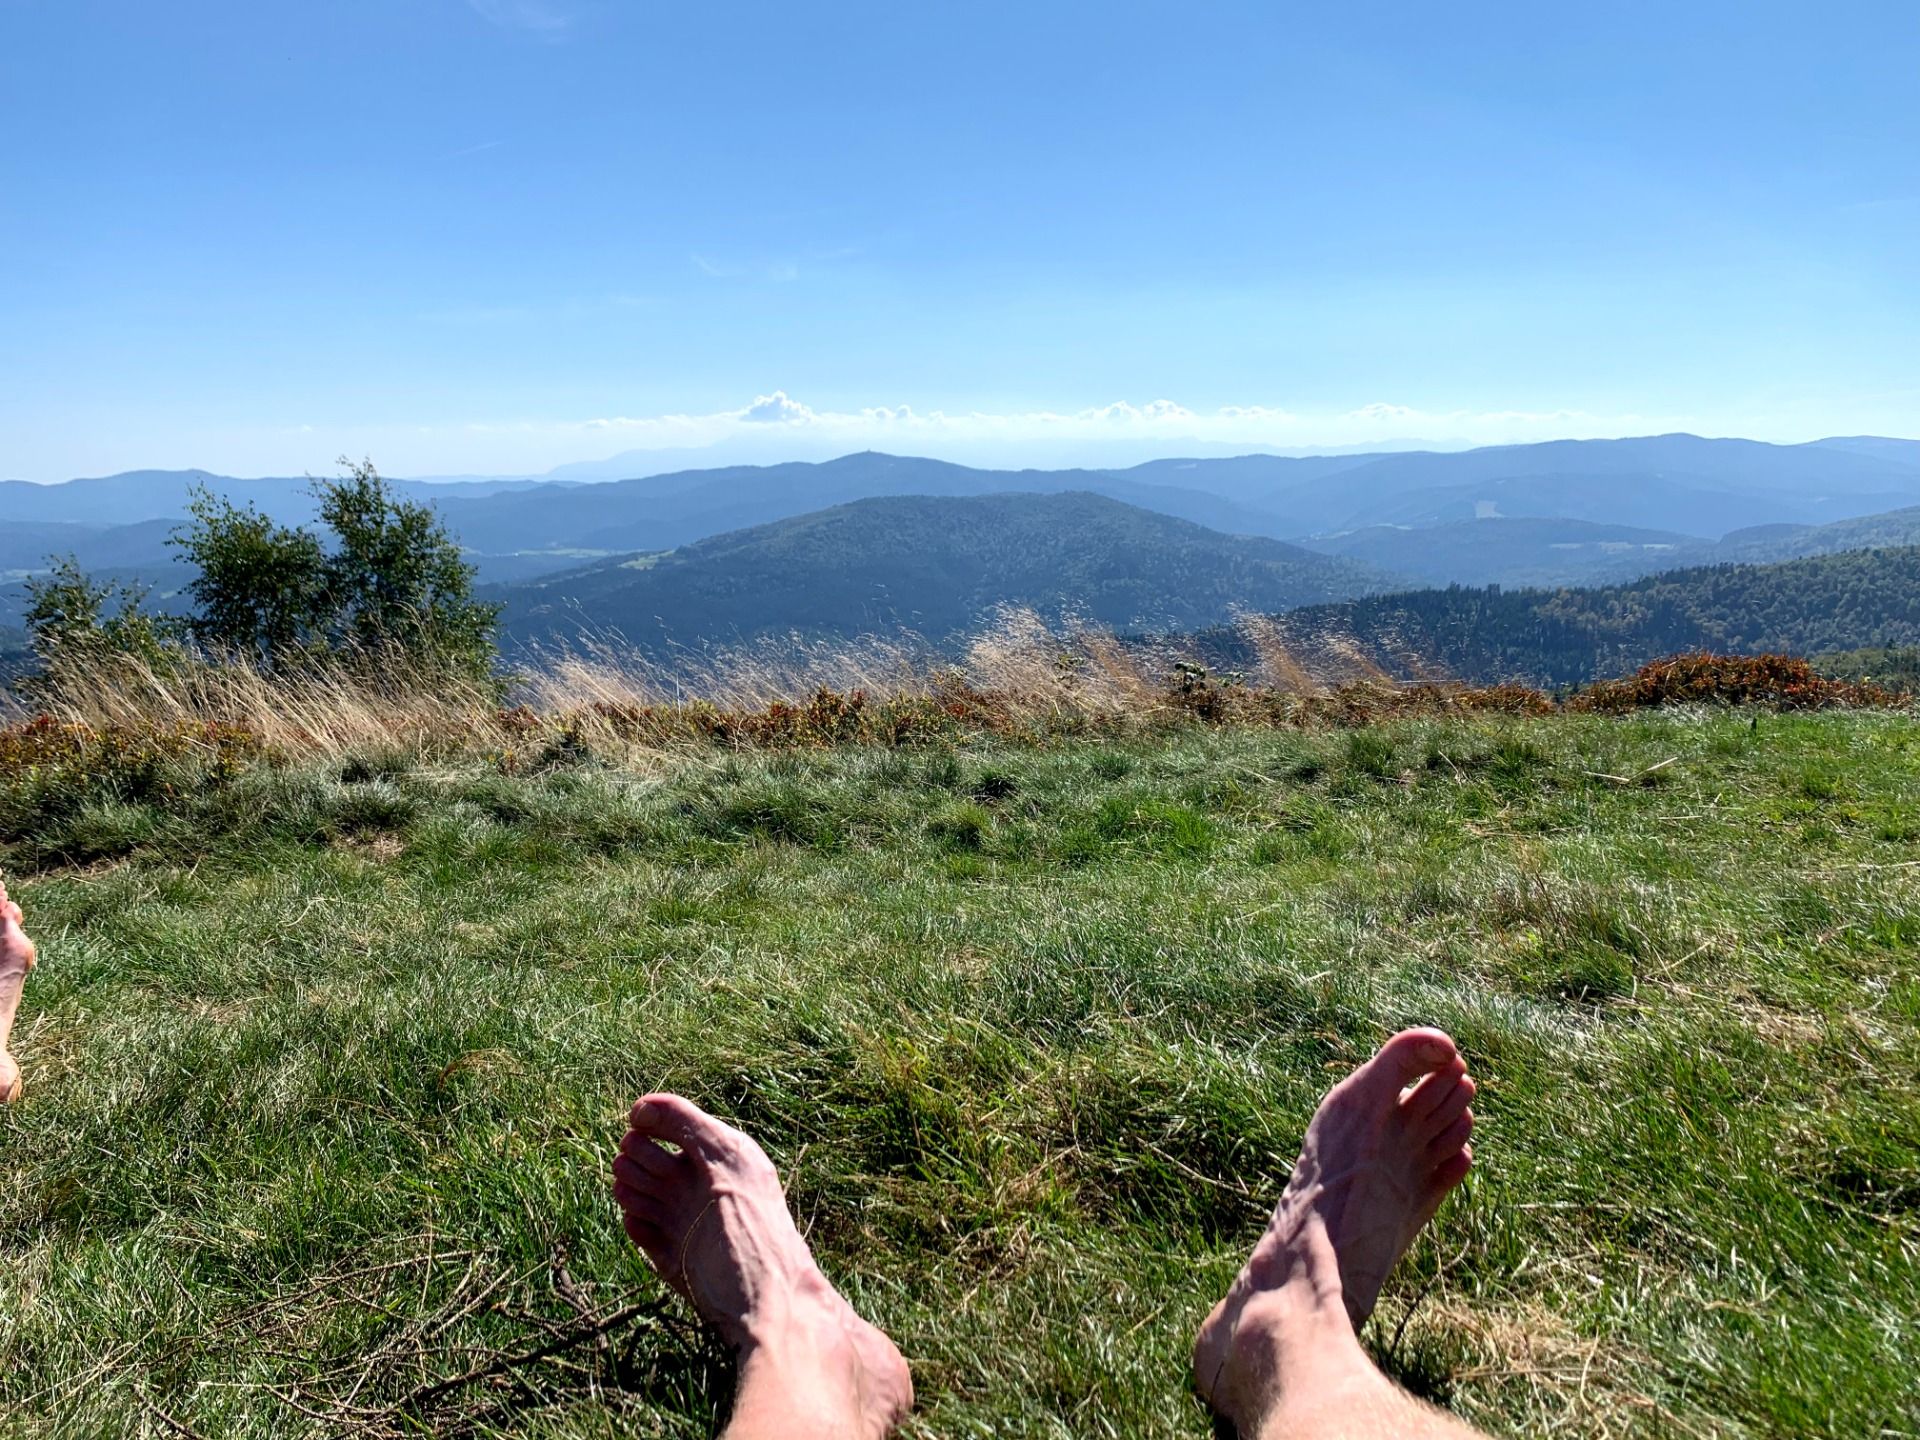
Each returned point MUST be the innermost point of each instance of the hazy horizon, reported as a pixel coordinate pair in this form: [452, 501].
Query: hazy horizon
[640, 464]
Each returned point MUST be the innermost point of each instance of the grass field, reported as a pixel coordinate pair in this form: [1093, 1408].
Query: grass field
[325, 1067]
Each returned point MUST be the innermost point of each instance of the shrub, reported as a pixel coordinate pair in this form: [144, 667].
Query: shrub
[77, 626]
[1779, 681]
[51, 772]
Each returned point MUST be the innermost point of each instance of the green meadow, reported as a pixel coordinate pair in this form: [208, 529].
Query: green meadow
[326, 1063]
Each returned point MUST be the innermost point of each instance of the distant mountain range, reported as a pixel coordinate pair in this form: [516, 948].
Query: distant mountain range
[559, 552]
[1674, 483]
[939, 566]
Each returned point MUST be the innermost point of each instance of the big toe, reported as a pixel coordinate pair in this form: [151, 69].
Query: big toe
[1405, 1058]
[678, 1121]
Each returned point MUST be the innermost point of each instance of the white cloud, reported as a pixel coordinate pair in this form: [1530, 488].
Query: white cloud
[777, 409]
[1380, 413]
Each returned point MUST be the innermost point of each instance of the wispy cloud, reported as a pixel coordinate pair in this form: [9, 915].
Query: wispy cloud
[778, 271]
[484, 145]
[536, 17]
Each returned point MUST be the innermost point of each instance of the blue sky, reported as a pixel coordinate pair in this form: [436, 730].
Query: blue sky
[490, 236]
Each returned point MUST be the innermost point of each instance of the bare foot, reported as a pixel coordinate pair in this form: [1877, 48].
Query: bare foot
[16, 959]
[714, 1222]
[1381, 1153]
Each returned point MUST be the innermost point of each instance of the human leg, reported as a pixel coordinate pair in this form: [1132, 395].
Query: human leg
[711, 1217]
[1279, 1354]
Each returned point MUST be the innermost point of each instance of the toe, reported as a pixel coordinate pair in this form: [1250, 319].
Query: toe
[1420, 1101]
[648, 1211]
[651, 1239]
[1452, 1170]
[1449, 1107]
[635, 1177]
[678, 1121]
[651, 1158]
[1451, 1139]
[1408, 1056]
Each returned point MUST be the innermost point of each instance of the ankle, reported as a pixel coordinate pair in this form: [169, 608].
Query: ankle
[814, 1370]
[1286, 1342]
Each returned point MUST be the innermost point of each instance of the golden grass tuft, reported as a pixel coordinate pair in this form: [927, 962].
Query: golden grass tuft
[313, 712]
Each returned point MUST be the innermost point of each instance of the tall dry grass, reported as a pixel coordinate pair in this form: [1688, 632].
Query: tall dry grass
[1032, 673]
[602, 674]
[314, 711]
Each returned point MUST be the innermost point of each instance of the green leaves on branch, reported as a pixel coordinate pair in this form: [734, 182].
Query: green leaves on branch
[261, 590]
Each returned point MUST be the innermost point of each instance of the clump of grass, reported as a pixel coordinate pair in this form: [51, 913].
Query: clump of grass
[1371, 753]
[962, 827]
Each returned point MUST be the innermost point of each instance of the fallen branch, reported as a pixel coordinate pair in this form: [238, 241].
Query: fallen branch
[1634, 779]
[178, 1427]
[424, 1393]
[568, 1290]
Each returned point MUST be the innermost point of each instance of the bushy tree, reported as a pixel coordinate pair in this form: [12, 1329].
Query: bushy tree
[395, 579]
[391, 587]
[259, 593]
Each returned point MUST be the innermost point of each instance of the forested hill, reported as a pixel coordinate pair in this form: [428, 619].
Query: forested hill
[1559, 637]
[1790, 542]
[936, 565]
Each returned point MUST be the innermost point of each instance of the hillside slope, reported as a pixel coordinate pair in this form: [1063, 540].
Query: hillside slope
[1866, 532]
[1514, 551]
[324, 1063]
[1846, 601]
[660, 512]
[938, 566]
